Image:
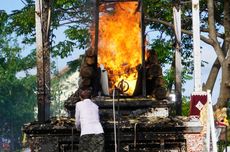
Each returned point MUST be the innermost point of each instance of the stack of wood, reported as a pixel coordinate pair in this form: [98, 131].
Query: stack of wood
[88, 70]
[89, 79]
[154, 77]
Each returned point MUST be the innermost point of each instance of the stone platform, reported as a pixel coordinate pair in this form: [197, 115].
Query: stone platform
[137, 129]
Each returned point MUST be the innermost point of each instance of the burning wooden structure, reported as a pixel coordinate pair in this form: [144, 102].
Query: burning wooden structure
[117, 46]
[134, 82]
[117, 59]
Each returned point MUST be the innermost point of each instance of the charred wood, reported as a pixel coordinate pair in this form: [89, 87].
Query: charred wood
[138, 90]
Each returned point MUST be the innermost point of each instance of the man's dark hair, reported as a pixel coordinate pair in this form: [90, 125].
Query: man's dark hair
[85, 94]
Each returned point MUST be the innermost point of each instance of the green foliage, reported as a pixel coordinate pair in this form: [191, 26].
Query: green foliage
[17, 104]
[222, 145]
[63, 49]
[17, 95]
[164, 50]
[23, 22]
[75, 15]
[185, 106]
[169, 77]
[82, 35]
[154, 9]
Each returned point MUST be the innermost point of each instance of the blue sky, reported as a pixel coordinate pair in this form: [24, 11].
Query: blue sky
[10, 5]
[208, 53]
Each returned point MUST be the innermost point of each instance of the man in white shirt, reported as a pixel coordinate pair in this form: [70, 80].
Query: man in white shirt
[87, 120]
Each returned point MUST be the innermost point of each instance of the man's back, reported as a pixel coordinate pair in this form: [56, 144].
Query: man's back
[87, 116]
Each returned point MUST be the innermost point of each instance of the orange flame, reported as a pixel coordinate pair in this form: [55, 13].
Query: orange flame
[119, 46]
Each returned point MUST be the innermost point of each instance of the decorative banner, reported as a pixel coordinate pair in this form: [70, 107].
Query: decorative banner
[198, 100]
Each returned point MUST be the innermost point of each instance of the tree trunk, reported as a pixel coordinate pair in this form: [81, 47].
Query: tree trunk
[225, 85]
[42, 15]
[212, 76]
[214, 72]
[224, 95]
[212, 32]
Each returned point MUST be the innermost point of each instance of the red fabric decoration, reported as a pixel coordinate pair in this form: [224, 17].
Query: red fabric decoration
[196, 104]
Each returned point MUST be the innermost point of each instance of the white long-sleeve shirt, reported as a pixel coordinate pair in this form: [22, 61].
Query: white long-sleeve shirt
[87, 116]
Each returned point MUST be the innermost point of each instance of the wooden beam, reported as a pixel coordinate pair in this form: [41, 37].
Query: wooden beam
[178, 67]
[178, 82]
[143, 48]
[96, 21]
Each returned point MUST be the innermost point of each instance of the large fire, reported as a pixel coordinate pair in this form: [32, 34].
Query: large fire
[119, 46]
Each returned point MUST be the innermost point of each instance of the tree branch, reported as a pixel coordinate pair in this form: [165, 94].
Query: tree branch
[23, 2]
[203, 38]
[207, 30]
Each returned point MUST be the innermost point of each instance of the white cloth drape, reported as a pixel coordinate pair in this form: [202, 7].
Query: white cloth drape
[177, 23]
[196, 44]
